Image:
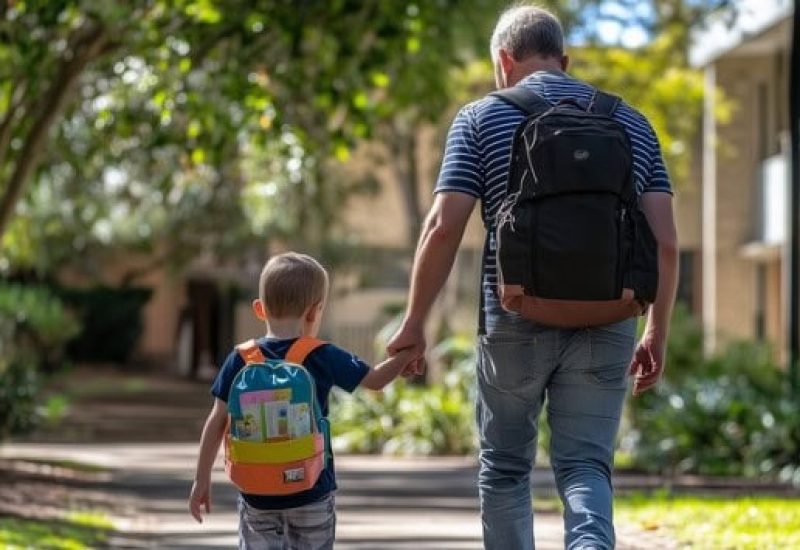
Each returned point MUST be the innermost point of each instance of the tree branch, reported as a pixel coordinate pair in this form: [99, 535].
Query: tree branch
[87, 44]
[12, 115]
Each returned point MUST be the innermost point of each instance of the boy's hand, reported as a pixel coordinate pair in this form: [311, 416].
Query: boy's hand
[410, 337]
[199, 497]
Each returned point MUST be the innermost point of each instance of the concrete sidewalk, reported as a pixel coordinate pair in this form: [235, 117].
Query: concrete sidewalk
[383, 503]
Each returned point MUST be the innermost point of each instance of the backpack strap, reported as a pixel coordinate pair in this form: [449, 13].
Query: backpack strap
[604, 104]
[302, 348]
[523, 99]
[297, 354]
[251, 352]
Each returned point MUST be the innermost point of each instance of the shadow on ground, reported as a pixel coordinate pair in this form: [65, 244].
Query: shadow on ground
[140, 431]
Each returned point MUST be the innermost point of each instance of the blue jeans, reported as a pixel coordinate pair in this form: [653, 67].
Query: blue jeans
[309, 527]
[583, 375]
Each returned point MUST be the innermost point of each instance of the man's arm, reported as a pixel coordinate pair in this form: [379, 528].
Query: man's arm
[213, 432]
[433, 260]
[648, 361]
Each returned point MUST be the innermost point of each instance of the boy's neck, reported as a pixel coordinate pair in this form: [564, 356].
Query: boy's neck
[284, 329]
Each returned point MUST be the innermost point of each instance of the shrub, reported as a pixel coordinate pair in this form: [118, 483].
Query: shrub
[112, 321]
[35, 322]
[413, 420]
[34, 329]
[731, 414]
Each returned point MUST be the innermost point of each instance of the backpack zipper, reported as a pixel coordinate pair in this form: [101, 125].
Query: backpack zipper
[620, 245]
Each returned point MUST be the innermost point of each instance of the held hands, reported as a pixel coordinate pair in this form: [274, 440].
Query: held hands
[200, 497]
[648, 362]
[411, 337]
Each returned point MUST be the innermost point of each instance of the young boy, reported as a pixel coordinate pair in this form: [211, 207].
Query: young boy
[293, 288]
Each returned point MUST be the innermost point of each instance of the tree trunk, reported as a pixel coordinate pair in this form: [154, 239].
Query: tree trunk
[403, 144]
[89, 43]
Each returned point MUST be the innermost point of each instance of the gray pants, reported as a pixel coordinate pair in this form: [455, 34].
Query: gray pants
[309, 527]
[583, 375]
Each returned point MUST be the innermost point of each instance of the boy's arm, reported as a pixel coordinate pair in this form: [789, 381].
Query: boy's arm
[213, 432]
[386, 371]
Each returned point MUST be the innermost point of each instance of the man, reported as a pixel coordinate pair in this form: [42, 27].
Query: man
[582, 372]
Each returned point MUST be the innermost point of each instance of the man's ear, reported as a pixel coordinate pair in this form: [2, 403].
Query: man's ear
[564, 62]
[258, 309]
[507, 64]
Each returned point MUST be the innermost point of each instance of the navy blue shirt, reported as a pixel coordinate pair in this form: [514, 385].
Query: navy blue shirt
[330, 366]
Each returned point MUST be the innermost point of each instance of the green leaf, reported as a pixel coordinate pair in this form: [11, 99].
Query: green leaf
[204, 11]
[198, 156]
[380, 79]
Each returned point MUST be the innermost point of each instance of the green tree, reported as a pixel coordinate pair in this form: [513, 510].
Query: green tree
[670, 95]
[133, 117]
[158, 122]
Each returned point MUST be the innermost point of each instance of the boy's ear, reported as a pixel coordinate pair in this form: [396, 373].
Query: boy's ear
[258, 309]
[313, 311]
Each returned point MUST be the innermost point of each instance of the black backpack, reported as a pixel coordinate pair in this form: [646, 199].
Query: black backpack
[573, 247]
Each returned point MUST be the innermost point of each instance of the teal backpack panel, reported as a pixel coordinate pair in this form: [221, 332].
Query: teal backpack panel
[275, 400]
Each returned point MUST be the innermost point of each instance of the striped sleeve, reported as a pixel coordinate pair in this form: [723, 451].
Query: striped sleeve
[461, 169]
[658, 178]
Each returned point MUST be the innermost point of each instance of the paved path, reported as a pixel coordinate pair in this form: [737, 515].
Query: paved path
[383, 503]
[144, 428]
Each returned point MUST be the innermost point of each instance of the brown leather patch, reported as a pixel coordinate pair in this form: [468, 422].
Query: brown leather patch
[569, 313]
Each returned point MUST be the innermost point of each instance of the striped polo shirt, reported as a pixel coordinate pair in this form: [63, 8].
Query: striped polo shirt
[478, 150]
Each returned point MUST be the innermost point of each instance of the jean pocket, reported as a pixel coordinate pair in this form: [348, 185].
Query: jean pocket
[611, 350]
[506, 363]
[612, 376]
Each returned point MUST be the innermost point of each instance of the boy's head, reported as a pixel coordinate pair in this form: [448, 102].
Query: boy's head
[291, 286]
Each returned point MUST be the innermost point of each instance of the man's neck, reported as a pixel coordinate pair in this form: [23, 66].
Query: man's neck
[536, 65]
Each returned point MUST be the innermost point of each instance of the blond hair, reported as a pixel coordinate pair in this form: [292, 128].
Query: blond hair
[290, 283]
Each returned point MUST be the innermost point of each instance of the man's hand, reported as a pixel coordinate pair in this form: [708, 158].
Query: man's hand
[200, 497]
[410, 336]
[648, 362]
[415, 368]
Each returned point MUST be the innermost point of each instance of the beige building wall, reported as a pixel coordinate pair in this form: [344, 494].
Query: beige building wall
[736, 173]
[379, 219]
[160, 314]
[687, 206]
[748, 286]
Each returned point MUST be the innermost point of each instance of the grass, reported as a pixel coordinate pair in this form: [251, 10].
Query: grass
[77, 531]
[718, 523]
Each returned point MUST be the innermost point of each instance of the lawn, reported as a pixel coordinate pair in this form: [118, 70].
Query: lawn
[77, 531]
[718, 523]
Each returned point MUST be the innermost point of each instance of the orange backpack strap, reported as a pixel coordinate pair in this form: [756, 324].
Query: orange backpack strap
[302, 348]
[250, 352]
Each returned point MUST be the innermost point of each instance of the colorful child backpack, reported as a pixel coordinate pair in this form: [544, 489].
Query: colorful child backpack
[278, 442]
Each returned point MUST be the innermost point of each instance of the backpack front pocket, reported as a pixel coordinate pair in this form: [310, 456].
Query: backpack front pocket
[576, 250]
[281, 468]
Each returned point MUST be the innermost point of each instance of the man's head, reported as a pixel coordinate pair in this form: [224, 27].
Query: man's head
[526, 39]
[292, 287]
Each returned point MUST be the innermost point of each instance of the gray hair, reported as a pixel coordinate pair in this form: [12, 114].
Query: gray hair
[527, 30]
